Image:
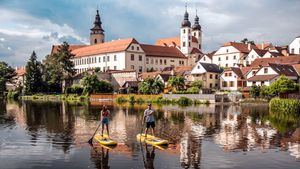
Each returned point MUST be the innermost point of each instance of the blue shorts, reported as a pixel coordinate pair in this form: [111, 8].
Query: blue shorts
[105, 120]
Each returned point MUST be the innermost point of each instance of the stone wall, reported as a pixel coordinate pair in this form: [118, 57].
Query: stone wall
[202, 97]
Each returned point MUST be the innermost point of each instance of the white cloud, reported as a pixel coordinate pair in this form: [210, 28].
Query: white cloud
[2, 39]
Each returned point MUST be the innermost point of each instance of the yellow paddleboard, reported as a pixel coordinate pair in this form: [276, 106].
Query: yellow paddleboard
[151, 140]
[105, 140]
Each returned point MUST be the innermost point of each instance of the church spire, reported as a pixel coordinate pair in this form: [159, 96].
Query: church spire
[186, 22]
[196, 25]
[97, 24]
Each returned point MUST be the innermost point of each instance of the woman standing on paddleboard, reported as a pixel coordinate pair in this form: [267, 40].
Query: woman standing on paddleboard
[104, 119]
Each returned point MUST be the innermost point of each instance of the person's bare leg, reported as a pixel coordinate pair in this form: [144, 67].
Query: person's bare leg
[102, 129]
[146, 131]
[107, 129]
[153, 131]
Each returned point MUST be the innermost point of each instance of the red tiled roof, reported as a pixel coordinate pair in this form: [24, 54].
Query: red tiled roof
[242, 47]
[260, 52]
[263, 46]
[237, 71]
[146, 75]
[20, 71]
[107, 47]
[173, 41]
[262, 77]
[246, 69]
[54, 49]
[297, 68]
[195, 51]
[194, 39]
[292, 59]
[162, 51]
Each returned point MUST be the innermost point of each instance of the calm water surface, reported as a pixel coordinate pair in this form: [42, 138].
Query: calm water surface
[54, 135]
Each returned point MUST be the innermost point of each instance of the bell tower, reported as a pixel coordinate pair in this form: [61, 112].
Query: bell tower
[185, 34]
[97, 32]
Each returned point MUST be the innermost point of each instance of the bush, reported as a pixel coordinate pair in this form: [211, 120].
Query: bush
[254, 91]
[285, 106]
[131, 99]
[193, 90]
[74, 89]
[140, 100]
[13, 95]
[197, 84]
[121, 99]
[183, 101]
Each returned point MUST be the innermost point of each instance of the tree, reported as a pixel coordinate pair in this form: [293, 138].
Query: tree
[283, 85]
[254, 91]
[151, 86]
[33, 75]
[246, 41]
[197, 84]
[176, 82]
[64, 57]
[6, 74]
[91, 84]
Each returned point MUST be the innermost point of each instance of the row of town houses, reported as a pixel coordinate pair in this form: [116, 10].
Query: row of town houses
[234, 66]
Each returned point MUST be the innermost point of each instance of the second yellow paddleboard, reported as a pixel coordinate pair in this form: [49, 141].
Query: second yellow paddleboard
[151, 139]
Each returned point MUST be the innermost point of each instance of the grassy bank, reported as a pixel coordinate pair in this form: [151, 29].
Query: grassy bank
[59, 97]
[157, 99]
[253, 100]
[285, 106]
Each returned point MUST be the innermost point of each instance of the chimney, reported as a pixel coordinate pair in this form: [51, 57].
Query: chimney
[263, 46]
[249, 46]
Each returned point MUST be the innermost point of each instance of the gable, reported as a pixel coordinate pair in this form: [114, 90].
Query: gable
[226, 49]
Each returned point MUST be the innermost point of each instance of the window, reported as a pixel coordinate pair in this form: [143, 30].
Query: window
[231, 83]
[140, 58]
[156, 61]
[198, 67]
[263, 83]
[189, 37]
[226, 65]
[224, 84]
[115, 67]
[160, 61]
[108, 68]
[225, 74]
[230, 74]
[132, 67]
[189, 31]
[108, 58]
[194, 33]
[189, 44]
[115, 57]
[292, 50]
[165, 61]
[183, 44]
[132, 47]
[253, 83]
[210, 76]
[140, 68]
[227, 50]
[147, 60]
[204, 58]
[216, 84]
[219, 58]
[210, 85]
[183, 30]
[132, 57]
[234, 57]
[266, 70]
[172, 61]
[99, 59]
[95, 41]
[104, 59]
[216, 76]
[137, 48]
[152, 61]
[226, 57]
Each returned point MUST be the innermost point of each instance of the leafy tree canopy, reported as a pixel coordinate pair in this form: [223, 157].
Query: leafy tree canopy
[6, 74]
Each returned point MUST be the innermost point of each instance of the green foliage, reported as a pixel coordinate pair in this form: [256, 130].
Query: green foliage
[177, 83]
[254, 91]
[91, 84]
[183, 101]
[285, 106]
[283, 85]
[197, 84]
[97, 69]
[193, 90]
[131, 99]
[13, 95]
[33, 83]
[151, 86]
[74, 89]
[6, 74]
[121, 99]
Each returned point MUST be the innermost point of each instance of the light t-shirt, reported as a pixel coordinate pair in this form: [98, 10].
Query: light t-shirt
[148, 115]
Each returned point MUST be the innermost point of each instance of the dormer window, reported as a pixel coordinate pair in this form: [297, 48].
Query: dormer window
[132, 47]
[95, 41]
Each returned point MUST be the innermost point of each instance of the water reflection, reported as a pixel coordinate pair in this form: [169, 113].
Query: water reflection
[55, 131]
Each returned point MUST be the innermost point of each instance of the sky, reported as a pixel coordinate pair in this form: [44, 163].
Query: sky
[27, 25]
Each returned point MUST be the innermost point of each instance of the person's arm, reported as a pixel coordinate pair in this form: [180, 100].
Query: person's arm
[144, 116]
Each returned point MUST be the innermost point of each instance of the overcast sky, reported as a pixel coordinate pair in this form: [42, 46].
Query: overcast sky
[27, 25]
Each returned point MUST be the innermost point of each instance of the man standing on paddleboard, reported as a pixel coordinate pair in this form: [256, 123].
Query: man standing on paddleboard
[149, 119]
[105, 119]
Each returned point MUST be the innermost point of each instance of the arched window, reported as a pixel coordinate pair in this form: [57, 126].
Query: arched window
[95, 41]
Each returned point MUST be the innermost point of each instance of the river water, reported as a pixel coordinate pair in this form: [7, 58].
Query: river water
[55, 134]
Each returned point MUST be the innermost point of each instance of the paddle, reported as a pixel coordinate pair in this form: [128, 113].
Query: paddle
[91, 140]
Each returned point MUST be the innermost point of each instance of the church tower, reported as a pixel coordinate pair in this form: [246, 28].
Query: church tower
[185, 34]
[196, 31]
[97, 32]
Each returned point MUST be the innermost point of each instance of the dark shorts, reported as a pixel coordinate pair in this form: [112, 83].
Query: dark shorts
[150, 124]
[105, 120]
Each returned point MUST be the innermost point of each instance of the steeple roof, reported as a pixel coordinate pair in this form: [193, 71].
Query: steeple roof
[196, 25]
[186, 22]
[97, 24]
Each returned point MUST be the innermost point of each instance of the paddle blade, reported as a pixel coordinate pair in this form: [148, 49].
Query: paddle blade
[90, 141]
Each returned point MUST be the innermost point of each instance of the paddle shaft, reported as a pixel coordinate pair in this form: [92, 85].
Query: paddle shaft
[95, 131]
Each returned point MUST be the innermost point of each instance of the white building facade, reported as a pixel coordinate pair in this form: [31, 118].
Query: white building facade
[294, 46]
